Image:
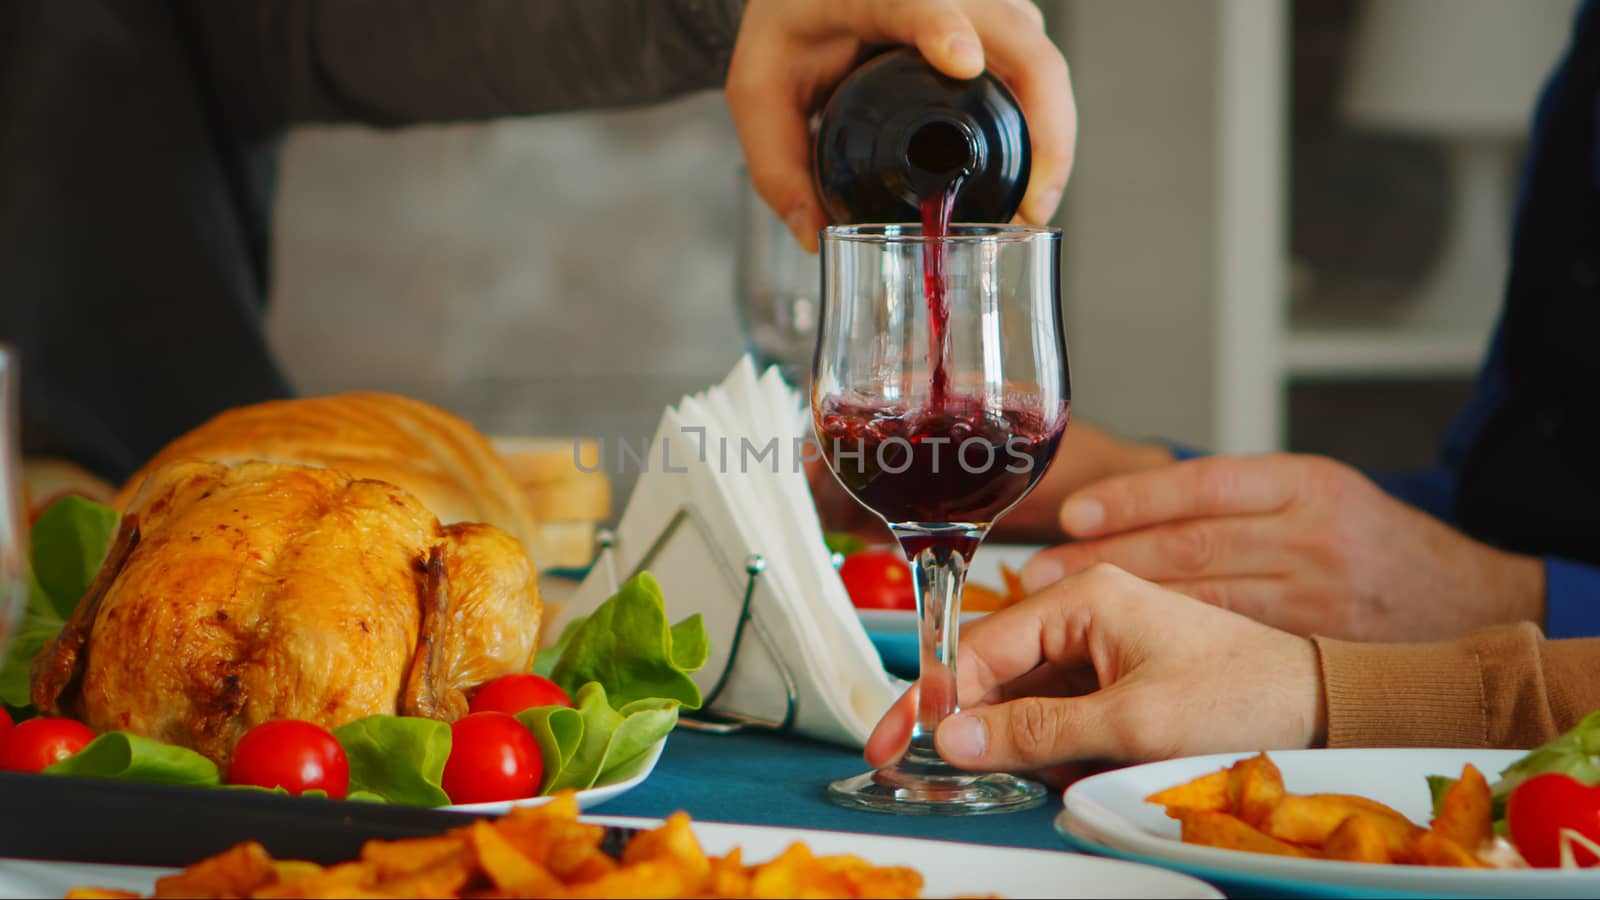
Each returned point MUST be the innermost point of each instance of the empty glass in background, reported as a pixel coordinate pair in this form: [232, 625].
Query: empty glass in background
[777, 289]
[13, 543]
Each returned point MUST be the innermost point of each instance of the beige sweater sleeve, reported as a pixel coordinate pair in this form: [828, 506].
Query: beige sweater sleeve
[1498, 687]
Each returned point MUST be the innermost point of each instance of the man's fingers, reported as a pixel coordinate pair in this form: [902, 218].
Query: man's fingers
[769, 109]
[937, 28]
[1045, 681]
[1227, 546]
[1009, 643]
[1022, 55]
[1051, 627]
[1213, 486]
[893, 732]
[1031, 733]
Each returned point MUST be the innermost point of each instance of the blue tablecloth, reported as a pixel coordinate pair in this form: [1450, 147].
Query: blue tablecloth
[766, 779]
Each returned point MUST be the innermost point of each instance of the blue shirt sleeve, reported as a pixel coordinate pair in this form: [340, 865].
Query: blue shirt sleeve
[1570, 593]
[1433, 489]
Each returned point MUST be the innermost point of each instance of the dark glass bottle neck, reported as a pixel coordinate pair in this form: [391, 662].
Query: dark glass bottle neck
[897, 133]
[935, 149]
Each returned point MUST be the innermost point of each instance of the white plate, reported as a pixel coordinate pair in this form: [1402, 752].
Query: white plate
[1108, 812]
[624, 779]
[899, 621]
[949, 869]
[985, 570]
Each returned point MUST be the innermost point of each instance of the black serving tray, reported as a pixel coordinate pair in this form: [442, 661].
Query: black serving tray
[55, 817]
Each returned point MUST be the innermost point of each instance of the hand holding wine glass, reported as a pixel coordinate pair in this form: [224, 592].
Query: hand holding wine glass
[940, 393]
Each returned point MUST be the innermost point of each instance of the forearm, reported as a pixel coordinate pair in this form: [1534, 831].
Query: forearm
[1498, 687]
[395, 62]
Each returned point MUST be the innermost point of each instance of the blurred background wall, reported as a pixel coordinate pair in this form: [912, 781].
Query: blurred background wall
[1244, 246]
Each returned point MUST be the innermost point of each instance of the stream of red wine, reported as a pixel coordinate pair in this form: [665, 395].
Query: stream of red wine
[936, 210]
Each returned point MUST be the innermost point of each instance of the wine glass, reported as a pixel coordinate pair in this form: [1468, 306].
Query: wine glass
[13, 537]
[775, 289]
[939, 395]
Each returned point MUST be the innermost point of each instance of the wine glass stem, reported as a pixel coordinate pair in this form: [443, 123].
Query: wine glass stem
[939, 568]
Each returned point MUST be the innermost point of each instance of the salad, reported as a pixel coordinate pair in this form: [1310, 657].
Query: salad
[595, 703]
[1545, 807]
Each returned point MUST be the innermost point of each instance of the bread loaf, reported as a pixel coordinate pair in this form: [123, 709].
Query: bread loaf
[566, 487]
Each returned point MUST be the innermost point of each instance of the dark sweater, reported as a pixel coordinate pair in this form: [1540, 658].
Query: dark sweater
[1519, 468]
[139, 142]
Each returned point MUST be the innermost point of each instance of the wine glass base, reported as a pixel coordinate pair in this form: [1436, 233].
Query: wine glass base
[946, 795]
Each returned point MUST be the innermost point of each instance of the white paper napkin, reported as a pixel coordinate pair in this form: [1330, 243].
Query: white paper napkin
[730, 456]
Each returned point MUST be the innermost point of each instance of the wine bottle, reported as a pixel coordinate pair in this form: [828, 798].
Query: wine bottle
[897, 131]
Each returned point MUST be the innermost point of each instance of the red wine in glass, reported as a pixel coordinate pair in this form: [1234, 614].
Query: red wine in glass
[954, 463]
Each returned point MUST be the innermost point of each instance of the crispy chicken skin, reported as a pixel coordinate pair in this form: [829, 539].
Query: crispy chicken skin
[436, 456]
[256, 591]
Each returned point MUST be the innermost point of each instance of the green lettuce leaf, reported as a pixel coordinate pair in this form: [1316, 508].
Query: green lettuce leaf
[397, 758]
[843, 543]
[1576, 753]
[559, 731]
[626, 646]
[359, 796]
[644, 722]
[68, 542]
[545, 660]
[690, 646]
[129, 757]
[35, 630]
[610, 738]
[1438, 786]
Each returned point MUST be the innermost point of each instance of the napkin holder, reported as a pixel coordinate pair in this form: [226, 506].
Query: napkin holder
[687, 530]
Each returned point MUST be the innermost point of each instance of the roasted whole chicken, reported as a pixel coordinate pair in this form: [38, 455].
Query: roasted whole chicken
[436, 456]
[239, 592]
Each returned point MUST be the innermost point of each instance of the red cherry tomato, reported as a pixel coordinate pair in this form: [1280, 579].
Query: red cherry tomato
[296, 756]
[1545, 805]
[512, 694]
[38, 744]
[492, 757]
[878, 579]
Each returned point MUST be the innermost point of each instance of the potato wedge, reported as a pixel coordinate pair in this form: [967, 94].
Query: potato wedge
[537, 852]
[1254, 787]
[1219, 829]
[1206, 793]
[342, 880]
[1309, 820]
[1464, 813]
[1357, 839]
[1434, 849]
[390, 859]
[508, 868]
[673, 842]
[235, 872]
